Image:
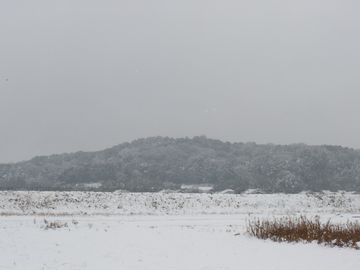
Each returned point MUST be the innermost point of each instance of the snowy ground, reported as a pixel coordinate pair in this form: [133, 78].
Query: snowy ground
[207, 232]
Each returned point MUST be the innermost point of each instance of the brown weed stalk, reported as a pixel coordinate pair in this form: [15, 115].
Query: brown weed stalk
[303, 229]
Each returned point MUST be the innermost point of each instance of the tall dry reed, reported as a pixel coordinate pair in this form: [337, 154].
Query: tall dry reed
[303, 229]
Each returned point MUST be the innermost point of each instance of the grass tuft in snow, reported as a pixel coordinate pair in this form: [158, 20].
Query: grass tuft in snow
[303, 229]
[54, 225]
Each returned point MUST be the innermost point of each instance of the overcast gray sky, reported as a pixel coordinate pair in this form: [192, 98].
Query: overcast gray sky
[86, 74]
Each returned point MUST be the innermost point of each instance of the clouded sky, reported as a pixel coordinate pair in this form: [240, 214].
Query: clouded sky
[86, 74]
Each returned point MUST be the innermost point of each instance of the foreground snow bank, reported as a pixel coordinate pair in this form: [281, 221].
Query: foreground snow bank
[118, 203]
[156, 243]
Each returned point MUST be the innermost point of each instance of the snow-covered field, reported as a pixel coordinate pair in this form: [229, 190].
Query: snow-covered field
[162, 231]
[120, 203]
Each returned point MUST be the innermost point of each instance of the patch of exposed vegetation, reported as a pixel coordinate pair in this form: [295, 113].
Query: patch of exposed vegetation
[53, 225]
[303, 229]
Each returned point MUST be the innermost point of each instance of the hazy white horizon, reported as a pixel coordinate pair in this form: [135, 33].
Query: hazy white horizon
[87, 75]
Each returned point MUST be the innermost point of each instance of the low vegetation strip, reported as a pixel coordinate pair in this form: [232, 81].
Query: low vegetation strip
[123, 203]
[303, 229]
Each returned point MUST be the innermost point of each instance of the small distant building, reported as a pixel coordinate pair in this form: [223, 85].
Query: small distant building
[227, 191]
[197, 188]
[89, 185]
[253, 191]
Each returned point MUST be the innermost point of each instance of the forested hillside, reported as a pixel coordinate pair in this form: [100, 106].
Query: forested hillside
[158, 163]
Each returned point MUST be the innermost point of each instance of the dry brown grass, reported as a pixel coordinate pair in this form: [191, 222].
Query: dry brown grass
[303, 229]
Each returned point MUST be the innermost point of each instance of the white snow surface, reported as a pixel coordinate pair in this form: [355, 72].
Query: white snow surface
[163, 231]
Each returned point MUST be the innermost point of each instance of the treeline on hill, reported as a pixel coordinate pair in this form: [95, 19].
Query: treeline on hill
[153, 164]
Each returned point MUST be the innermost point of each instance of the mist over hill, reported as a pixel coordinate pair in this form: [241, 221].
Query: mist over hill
[157, 163]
